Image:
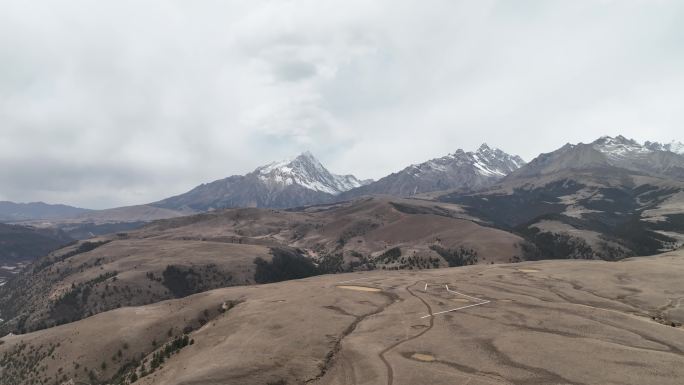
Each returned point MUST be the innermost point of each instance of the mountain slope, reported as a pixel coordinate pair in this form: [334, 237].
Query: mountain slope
[460, 170]
[297, 182]
[21, 243]
[218, 249]
[15, 212]
[608, 199]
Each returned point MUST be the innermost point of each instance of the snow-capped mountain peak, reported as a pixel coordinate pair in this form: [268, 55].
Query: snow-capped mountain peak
[619, 146]
[497, 161]
[485, 161]
[305, 170]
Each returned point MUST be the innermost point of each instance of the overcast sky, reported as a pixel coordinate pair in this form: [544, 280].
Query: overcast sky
[108, 103]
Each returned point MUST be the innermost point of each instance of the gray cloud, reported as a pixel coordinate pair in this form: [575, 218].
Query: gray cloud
[295, 71]
[112, 103]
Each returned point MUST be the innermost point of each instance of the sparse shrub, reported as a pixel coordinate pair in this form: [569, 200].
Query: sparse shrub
[181, 281]
[456, 257]
[389, 256]
[331, 263]
[286, 264]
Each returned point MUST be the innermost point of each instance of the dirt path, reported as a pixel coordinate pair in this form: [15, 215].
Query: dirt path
[330, 358]
[390, 371]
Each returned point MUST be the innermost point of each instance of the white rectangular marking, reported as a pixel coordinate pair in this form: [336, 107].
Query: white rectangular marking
[458, 308]
[465, 295]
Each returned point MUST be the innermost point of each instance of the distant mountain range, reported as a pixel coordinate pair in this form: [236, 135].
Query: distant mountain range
[595, 186]
[305, 181]
[15, 212]
[618, 153]
[607, 199]
[460, 170]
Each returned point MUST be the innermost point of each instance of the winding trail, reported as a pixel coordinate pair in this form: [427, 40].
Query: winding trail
[390, 371]
[332, 354]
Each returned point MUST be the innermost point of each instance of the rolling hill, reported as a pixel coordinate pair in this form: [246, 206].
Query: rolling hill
[219, 249]
[551, 322]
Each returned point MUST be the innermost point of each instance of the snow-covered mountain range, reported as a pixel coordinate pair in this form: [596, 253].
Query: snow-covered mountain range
[617, 153]
[608, 199]
[303, 180]
[622, 147]
[459, 170]
[486, 161]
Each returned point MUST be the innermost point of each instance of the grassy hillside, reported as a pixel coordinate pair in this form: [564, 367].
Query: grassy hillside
[182, 256]
[551, 322]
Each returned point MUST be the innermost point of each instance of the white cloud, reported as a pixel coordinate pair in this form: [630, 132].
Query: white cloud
[120, 102]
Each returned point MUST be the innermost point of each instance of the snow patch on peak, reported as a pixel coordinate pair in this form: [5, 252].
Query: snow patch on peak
[485, 161]
[494, 161]
[674, 146]
[618, 140]
[306, 171]
[484, 148]
[621, 147]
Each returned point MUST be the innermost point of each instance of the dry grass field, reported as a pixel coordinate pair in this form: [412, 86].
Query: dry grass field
[548, 322]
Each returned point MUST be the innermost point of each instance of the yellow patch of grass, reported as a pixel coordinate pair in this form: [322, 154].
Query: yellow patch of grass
[423, 357]
[359, 288]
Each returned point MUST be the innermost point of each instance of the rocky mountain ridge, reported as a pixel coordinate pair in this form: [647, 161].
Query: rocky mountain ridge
[305, 170]
[459, 170]
[300, 181]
